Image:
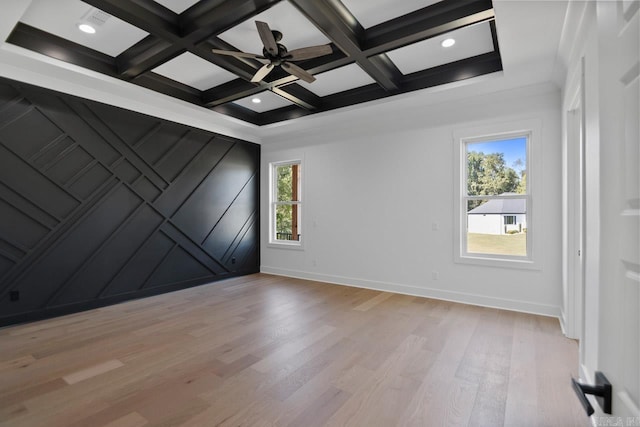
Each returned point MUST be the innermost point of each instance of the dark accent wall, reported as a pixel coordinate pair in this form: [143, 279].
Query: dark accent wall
[99, 204]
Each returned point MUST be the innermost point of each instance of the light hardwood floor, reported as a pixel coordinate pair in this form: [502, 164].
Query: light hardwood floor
[262, 350]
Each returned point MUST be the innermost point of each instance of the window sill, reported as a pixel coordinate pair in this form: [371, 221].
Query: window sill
[489, 261]
[285, 245]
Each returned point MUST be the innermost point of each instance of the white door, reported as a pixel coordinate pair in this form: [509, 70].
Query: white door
[618, 342]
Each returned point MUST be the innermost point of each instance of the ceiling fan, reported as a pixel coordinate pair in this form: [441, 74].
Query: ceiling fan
[275, 54]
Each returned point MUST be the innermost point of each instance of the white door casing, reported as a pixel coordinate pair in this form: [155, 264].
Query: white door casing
[573, 274]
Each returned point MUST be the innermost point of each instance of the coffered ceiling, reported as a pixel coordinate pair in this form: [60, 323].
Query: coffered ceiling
[380, 48]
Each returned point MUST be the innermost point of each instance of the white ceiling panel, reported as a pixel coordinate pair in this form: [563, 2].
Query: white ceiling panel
[297, 31]
[194, 71]
[62, 17]
[338, 80]
[268, 101]
[177, 6]
[374, 12]
[470, 41]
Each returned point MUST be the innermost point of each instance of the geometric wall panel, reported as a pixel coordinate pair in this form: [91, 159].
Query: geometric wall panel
[101, 204]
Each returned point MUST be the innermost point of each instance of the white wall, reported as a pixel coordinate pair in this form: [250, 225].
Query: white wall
[378, 202]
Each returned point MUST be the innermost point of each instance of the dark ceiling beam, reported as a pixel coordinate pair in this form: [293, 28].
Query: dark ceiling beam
[53, 46]
[144, 14]
[354, 96]
[212, 17]
[464, 69]
[239, 112]
[145, 55]
[169, 87]
[494, 36]
[229, 92]
[425, 23]
[238, 89]
[337, 23]
[359, 95]
[284, 113]
[326, 63]
[299, 95]
[156, 8]
[153, 51]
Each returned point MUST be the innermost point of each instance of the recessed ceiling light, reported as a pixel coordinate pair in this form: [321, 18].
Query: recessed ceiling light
[448, 42]
[256, 100]
[86, 28]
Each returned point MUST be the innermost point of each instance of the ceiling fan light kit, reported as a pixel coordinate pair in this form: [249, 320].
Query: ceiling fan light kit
[275, 54]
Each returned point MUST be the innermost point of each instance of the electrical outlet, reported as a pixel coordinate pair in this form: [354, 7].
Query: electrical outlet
[14, 296]
[434, 275]
[233, 260]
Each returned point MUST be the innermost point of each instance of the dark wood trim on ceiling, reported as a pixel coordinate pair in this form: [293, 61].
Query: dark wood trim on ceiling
[196, 31]
[56, 47]
[341, 27]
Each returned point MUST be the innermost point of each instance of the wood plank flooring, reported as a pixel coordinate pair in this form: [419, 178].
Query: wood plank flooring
[263, 350]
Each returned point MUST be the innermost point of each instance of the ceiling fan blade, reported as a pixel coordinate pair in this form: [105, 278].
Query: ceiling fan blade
[294, 70]
[237, 54]
[267, 38]
[308, 52]
[262, 73]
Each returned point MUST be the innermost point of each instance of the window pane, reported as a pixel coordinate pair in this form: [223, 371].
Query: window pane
[509, 219]
[286, 205]
[288, 181]
[497, 167]
[287, 217]
[497, 227]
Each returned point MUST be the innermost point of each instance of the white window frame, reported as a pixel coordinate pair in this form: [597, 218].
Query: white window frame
[273, 203]
[530, 129]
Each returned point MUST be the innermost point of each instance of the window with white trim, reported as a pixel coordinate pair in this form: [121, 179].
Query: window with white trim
[495, 200]
[286, 203]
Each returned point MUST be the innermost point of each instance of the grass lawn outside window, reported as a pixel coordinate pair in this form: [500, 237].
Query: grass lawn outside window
[505, 244]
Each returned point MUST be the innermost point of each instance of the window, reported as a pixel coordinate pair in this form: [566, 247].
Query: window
[286, 203]
[495, 201]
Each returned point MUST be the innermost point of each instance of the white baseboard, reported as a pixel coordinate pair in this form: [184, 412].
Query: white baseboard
[460, 297]
[563, 322]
